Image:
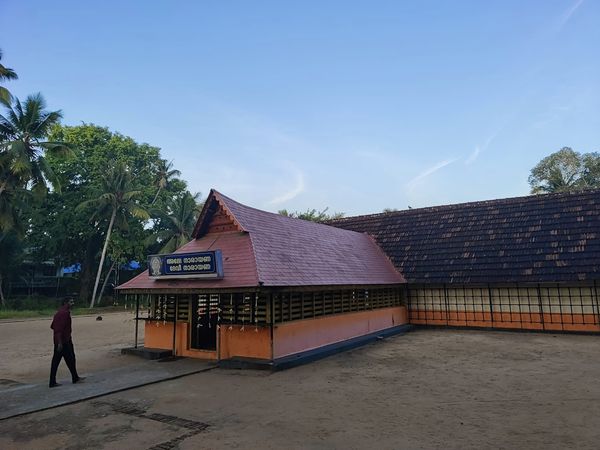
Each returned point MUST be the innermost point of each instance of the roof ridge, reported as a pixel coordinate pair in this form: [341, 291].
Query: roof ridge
[256, 264]
[280, 216]
[385, 255]
[451, 206]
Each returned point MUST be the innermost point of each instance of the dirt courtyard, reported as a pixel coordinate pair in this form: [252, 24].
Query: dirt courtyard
[27, 346]
[426, 389]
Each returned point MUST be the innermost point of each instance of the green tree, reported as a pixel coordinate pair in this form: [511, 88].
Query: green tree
[164, 175]
[312, 215]
[59, 228]
[23, 130]
[60, 231]
[14, 201]
[565, 170]
[591, 172]
[117, 199]
[12, 252]
[23, 152]
[177, 224]
[125, 246]
[5, 75]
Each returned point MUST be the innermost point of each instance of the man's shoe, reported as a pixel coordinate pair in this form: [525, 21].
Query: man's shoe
[54, 385]
[79, 380]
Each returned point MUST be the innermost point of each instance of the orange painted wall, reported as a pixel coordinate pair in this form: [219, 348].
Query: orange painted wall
[248, 341]
[516, 320]
[301, 335]
[160, 335]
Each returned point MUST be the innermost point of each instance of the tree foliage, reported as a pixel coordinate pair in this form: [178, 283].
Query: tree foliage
[312, 215]
[12, 252]
[62, 232]
[118, 200]
[41, 188]
[164, 175]
[566, 170]
[5, 75]
[176, 223]
[23, 151]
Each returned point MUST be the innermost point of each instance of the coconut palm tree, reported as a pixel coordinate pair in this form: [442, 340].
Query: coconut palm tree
[6, 74]
[118, 200]
[23, 130]
[164, 174]
[23, 167]
[179, 222]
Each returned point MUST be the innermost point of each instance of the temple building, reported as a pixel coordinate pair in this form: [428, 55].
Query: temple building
[262, 287]
[257, 286]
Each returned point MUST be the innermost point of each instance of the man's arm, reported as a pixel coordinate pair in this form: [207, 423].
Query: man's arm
[59, 325]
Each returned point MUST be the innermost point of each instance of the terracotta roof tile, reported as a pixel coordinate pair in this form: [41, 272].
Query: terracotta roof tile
[238, 265]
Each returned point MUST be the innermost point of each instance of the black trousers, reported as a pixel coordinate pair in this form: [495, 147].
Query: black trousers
[67, 352]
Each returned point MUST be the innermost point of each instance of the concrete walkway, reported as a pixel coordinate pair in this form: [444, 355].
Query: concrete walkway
[17, 399]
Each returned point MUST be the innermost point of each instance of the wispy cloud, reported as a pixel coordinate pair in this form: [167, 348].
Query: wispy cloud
[428, 172]
[566, 16]
[298, 188]
[475, 154]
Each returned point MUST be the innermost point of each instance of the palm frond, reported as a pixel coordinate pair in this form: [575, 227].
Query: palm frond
[47, 120]
[58, 149]
[127, 196]
[5, 96]
[170, 246]
[139, 212]
[48, 173]
[20, 163]
[6, 73]
[14, 114]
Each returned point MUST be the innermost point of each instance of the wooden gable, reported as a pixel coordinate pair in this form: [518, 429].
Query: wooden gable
[215, 218]
[221, 221]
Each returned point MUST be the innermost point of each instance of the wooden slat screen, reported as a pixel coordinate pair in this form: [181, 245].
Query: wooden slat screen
[288, 306]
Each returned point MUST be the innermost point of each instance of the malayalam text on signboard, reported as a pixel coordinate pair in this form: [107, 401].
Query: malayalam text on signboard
[186, 265]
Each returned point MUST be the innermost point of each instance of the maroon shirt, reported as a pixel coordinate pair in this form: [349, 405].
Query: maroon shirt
[61, 324]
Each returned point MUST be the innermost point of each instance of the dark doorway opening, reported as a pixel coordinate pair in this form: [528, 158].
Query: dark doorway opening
[205, 313]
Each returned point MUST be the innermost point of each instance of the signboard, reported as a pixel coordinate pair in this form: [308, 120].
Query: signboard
[186, 265]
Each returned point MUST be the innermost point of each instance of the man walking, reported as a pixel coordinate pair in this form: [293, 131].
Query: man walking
[63, 345]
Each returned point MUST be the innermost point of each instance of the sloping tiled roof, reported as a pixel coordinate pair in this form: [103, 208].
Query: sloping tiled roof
[262, 248]
[540, 238]
[294, 252]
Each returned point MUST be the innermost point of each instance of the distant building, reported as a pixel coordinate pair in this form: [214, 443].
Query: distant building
[44, 277]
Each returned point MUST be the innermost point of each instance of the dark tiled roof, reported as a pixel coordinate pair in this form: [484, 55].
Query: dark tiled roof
[540, 238]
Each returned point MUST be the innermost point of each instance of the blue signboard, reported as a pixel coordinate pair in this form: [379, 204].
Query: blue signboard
[186, 265]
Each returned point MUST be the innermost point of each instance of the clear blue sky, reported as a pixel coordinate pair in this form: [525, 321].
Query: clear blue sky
[355, 106]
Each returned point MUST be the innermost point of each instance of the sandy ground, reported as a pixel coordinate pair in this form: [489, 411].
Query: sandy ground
[27, 346]
[427, 389]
